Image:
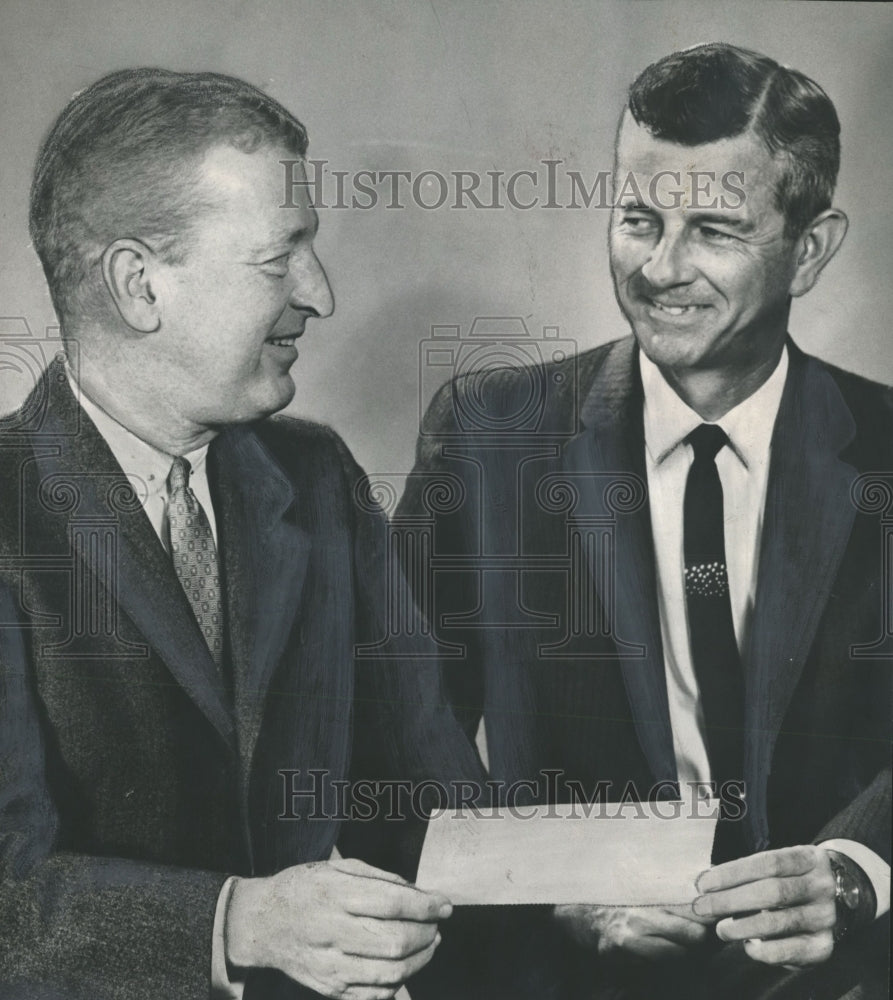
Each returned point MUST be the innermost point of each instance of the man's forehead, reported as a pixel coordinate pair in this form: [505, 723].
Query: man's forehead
[249, 189]
[237, 175]
[742, 158]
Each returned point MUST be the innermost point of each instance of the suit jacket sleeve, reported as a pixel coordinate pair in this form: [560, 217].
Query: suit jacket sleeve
[866, 819]
[79, 925]
[463, 677]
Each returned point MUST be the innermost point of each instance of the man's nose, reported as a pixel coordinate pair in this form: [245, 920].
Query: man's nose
[669, 262]
[312, 290]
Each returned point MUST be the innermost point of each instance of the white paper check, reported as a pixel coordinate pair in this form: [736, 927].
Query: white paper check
[637, 854]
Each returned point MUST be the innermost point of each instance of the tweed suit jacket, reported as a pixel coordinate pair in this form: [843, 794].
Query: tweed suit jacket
[135, 776]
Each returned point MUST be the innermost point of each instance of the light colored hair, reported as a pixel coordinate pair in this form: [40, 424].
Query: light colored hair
[121, 161]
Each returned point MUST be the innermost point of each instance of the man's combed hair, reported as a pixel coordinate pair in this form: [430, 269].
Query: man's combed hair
[717, 91]
[120, 162]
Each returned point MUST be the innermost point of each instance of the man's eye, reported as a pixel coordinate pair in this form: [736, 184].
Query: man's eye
[277, 265]
[638, 223]
[717, 235]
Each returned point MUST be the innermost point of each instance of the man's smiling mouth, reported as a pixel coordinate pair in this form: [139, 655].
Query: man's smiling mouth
[675, 310]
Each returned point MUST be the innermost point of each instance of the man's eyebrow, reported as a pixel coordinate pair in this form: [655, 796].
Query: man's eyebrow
[729, 221]
[285, 241]
[695, 218]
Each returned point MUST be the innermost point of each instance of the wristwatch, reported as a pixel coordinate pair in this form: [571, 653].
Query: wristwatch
[853, 895]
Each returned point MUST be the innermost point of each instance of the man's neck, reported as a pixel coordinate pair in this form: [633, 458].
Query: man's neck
[133, 409]
[711, 393]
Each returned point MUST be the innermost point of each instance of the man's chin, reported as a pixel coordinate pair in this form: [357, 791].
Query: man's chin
[671, 348]
[274, 396]
[279, 396]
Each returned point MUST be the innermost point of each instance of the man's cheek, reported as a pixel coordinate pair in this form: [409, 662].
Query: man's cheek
[626, 264]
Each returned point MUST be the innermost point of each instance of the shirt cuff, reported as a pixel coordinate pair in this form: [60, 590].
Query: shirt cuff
[877, 870]
[222, 987]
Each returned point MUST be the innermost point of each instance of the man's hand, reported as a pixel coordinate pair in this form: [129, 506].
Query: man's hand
[341, 927]
[780, 903]
[644, 932]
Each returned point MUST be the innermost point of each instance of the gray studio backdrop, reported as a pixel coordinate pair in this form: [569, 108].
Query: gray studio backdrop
[447, 87]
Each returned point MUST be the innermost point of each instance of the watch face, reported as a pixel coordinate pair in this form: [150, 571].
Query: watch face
[850, 896]
[847, 888]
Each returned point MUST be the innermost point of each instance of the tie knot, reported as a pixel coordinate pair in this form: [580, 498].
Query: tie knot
[178, 477]
[707, 440]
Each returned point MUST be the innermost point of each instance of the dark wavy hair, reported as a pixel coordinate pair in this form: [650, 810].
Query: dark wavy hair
[121, 161]
[717, 91]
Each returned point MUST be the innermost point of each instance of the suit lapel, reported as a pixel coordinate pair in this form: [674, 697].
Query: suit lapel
[612, 445]
[806, 526]
[265, 554]
[144, 583]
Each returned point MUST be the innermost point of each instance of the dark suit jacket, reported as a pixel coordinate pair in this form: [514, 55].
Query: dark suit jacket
[544, 585]
[134, 778]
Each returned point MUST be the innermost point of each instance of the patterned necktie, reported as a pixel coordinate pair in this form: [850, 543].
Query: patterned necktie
[714, 649]
[195, 556]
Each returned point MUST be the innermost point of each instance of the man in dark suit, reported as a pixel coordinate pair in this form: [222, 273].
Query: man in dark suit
[667, 564]
[190, 592]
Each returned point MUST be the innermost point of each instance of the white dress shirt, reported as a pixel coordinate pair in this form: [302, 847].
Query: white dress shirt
[743, 468]
[148, 469]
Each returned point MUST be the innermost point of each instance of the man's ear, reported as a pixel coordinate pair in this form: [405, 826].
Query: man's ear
[127, 267]
[817, 245]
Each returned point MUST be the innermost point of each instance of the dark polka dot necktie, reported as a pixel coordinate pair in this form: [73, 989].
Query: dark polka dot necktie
[195, 556]
[714, 649]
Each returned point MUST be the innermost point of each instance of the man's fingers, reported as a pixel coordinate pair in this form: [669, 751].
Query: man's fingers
[805, 949]
[647, 932]
[370, 897]
[782, 863]
[353, 866]
[655, 948]
[770, 894]
[685, 910]
[374, 972]
[389, 939]
[369, 993]
[336, 974]
[387, 896]
[343, 992]
[658, 922]
[797, 920]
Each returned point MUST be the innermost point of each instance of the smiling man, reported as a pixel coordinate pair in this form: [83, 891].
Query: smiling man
[722, 626]
[184, 586]
[705, 286]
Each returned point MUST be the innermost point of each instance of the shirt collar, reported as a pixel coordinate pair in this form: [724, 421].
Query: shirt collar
[668, 420]
[145, 466]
